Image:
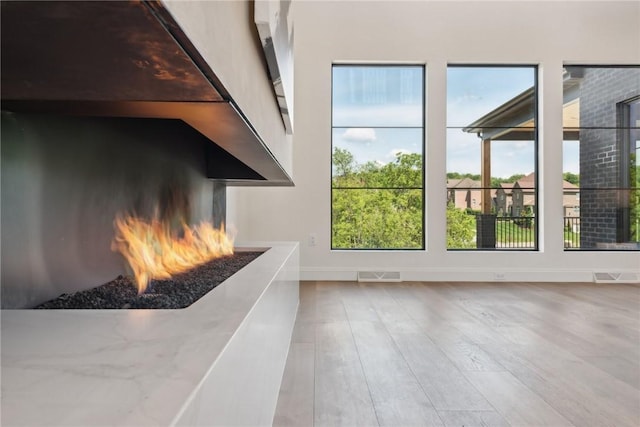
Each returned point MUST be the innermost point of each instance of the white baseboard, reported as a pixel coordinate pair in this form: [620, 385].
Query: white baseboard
[460, 275]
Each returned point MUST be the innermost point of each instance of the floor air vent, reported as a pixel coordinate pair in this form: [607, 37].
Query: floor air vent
[607, 277]
[379, 276]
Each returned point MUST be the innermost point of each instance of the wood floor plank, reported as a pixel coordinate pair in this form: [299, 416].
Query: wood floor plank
[574, 370]
[444, 384]
[618, 367]
[386, 307]
[410, 296]
[598, 299]
[397, 396]
[592, 330]
[437, 298]
[303, 332]
[519, 354]
[496, 314]
[342, 395]
[545, 376]
[296, 399]
[356, 304]
[515, 402]
[328, 303]
[624, 297]
[463, 352]
[307, 304]
[472, 419]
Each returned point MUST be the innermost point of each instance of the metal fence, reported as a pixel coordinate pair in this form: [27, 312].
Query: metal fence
[572, 232]
[519, 232]
[516, 232]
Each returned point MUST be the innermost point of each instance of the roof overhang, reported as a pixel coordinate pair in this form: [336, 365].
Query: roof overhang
[515, 119]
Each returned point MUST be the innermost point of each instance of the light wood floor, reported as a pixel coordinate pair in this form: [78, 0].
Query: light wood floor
[463, 354]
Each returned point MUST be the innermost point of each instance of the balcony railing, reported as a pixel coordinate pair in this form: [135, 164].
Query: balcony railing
[519, 232]
[515, 232]
[496, 232]
[572, 232]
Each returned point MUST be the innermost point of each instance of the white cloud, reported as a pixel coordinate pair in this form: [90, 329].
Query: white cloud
[359, 135]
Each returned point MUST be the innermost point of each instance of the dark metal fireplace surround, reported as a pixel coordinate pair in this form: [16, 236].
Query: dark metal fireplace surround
[107, 107]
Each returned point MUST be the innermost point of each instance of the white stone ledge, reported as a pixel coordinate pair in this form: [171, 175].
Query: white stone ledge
[218, 362]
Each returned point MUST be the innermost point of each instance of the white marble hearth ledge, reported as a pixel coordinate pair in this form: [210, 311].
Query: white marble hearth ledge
[218, 362]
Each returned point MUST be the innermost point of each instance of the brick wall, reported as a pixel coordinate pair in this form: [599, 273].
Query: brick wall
[600, 91]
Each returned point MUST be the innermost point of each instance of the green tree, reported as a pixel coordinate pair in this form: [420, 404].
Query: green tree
[460, 228]
[343, 162]
[458, 175]
[572, 178]
[495, 182]
[453, 175]
[377, 206]
[515, 177]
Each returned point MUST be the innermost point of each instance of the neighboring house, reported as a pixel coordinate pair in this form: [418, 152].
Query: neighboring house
[512, 199]
[452, 193]
[466, 193]
[523, 195]
[503, 199]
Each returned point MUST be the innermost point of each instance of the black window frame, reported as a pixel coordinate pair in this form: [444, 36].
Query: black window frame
[626, 145]
[536, 149]
[423, 68]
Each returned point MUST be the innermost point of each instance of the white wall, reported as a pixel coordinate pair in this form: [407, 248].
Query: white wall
[436, 33]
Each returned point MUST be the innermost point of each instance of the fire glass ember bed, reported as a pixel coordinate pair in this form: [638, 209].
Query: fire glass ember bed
[179, 291]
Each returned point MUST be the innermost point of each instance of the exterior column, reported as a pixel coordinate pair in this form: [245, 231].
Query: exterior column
[485, 176]
[486, 221]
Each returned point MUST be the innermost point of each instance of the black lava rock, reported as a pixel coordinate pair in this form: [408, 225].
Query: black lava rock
[180, 291]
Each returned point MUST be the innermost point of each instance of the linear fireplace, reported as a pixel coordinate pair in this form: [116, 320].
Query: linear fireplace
[65, 179]
[109, 108]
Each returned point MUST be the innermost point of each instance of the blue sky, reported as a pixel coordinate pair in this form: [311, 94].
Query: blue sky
[472, 92]
[378, 112]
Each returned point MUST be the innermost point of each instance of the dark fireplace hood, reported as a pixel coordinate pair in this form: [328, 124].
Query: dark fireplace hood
[126, 59]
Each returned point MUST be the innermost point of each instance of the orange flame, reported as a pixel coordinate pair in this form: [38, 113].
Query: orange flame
[155, 252]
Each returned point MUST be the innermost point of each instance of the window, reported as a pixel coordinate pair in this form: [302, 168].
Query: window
[601, 121]
[492, 157]
[377, 185]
